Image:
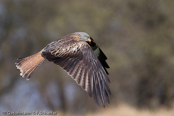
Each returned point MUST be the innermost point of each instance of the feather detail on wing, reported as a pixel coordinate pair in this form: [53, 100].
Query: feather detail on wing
[80, 62]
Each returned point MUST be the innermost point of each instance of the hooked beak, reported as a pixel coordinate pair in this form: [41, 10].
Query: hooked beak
[89, 40]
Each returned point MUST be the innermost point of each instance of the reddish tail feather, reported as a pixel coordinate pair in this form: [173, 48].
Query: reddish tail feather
[28, 64]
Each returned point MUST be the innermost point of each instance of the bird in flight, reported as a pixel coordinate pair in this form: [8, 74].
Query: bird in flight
[81, 57]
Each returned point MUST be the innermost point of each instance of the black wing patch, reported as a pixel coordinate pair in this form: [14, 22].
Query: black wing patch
[100, 55]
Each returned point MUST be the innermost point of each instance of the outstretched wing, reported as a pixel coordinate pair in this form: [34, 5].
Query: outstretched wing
[80, 62]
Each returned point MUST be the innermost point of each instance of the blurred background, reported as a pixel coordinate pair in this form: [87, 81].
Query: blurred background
[136, 35]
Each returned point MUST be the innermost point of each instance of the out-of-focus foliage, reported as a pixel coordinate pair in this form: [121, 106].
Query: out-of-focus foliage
[137, 36]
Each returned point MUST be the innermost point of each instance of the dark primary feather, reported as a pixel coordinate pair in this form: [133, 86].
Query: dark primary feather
[79, 60]
[100, 55]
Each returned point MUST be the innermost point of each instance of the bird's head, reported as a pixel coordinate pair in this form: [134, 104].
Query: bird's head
[84, 37]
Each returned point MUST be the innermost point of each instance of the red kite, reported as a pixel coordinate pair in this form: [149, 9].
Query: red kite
[79, 55]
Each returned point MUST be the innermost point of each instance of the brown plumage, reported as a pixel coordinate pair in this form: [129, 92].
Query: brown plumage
[28, 64]
[78, 54]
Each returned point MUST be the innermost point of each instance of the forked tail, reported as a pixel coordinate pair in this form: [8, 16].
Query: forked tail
[28, 64]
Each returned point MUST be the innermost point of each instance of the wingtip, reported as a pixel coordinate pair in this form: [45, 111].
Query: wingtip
[103, 105]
